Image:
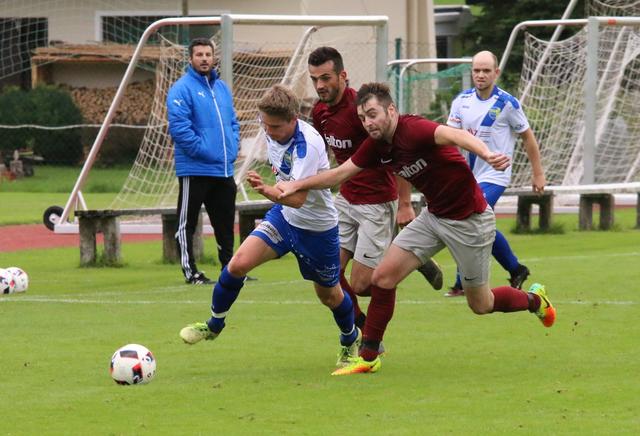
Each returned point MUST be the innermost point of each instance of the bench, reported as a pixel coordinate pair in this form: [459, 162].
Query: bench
[590, 195]
[248, 213]
[526, 199]
[107, 222]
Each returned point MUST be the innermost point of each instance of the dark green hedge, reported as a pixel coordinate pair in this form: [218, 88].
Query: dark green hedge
[47, 106]
[119, 147]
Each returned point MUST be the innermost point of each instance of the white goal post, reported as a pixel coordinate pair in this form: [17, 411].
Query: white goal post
[581, 96]
[226, 23]
[406, 65]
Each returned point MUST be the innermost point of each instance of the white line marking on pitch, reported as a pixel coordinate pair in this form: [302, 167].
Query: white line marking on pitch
[183, 288]
[73, 298]
[174, 289]
[272, 302]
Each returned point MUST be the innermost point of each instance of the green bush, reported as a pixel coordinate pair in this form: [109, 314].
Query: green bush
[119, 148]
[47, 106]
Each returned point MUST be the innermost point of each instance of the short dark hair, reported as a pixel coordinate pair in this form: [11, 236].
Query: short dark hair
[325, 54]
[201, 41]
[279, 101]
[378, 90]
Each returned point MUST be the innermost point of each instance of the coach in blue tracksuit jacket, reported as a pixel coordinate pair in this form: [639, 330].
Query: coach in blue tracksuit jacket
[206, 133]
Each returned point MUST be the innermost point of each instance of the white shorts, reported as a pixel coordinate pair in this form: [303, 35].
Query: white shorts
[366, 230]
[469, 241]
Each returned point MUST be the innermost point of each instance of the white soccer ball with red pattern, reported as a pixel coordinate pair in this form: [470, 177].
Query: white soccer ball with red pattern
[7, 284]
[132, 364]
[20, 278]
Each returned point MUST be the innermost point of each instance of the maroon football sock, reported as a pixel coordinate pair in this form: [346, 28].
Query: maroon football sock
[508, 299]
[534, 301]
[378, 316]
[344, 283]
[369, 350]
[366, 292]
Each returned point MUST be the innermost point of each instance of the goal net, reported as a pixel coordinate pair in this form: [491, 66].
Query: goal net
[429, 93]
[93, 43]
[256, 67]
[555, 102]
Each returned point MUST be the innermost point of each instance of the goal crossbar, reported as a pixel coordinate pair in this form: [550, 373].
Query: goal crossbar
[609, 21]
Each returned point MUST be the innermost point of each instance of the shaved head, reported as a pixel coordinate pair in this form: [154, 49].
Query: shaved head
[485, 56]
[484, 72]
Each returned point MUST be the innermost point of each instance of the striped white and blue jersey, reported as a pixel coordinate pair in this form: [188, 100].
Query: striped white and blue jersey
[303, 156]
[496, 121]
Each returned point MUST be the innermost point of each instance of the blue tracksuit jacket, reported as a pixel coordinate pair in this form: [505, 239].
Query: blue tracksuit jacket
[203, 125]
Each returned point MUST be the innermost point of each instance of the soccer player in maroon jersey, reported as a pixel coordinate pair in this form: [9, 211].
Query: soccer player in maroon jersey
[457, 215]
[367, 203]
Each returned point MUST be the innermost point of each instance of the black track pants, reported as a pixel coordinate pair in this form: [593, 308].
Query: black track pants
[219, 197]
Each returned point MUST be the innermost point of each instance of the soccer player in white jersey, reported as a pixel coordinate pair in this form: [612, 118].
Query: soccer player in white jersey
[496, 117]
[305, 224]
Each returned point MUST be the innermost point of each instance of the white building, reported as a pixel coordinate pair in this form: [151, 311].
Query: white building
[26, 25]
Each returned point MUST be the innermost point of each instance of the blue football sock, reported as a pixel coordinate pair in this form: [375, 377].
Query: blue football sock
[503, 254]
[225, 292]
[343, 314]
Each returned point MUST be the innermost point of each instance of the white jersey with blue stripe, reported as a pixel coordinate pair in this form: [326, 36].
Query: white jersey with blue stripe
[303, 156]
[496, 121]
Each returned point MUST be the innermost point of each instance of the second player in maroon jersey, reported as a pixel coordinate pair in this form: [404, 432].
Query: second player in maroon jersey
[369, 202]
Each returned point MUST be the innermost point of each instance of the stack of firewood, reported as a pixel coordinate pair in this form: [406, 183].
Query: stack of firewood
[134, 108]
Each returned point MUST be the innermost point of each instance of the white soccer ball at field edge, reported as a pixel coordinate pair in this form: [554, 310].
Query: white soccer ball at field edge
[20, 277]
[132, 364]
[7, 283]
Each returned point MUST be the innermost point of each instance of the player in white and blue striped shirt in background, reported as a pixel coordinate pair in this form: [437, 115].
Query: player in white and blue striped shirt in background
[496, 117]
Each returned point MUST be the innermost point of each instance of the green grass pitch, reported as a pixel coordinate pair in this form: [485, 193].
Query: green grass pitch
[447, 371]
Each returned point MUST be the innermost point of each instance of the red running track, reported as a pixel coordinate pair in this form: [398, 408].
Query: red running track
[37, 236]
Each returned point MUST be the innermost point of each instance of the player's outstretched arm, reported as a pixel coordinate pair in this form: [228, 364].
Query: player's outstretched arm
[445, 135]
[325, 179]
[273, 193]
[530, 145]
